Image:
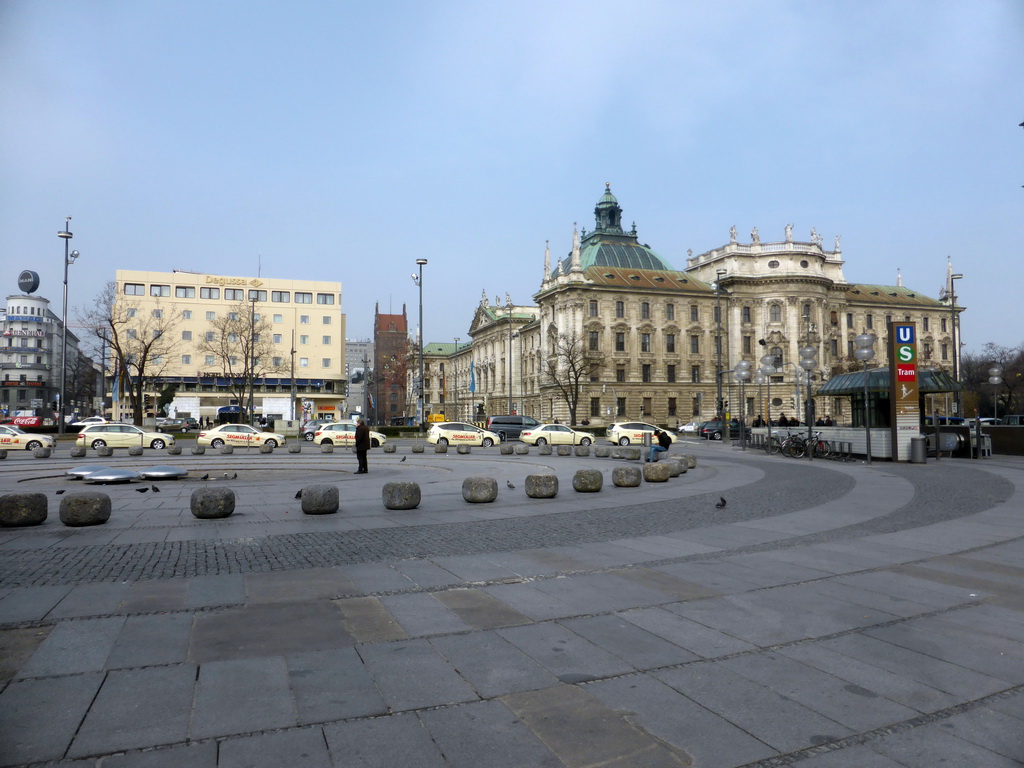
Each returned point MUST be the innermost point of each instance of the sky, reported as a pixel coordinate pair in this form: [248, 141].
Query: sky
[343, 141]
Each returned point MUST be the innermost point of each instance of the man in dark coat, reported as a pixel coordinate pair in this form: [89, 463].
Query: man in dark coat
[362, 445]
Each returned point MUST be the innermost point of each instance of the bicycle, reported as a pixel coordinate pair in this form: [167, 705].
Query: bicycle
[772, 445]
[821, 448]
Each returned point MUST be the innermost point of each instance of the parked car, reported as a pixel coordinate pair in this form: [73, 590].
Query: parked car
[13, 437]
[121, 436]
[89, 420]
[556, 434]
[344, 433]
[712, 430]
[1013, 420]
[628, 432]
[172, 425]
[238, 434]
[192, 423]
[308, 430]
[690, 428]
[458, 433]
[509, 427]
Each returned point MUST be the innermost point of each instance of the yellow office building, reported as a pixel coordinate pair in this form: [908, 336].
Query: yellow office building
[219, 333]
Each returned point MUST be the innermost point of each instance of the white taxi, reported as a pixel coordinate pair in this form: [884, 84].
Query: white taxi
[344, 433]
[633, 432]
[121, 436]
[555, 434]
[12, 437]
[458, 433]
[238, 434]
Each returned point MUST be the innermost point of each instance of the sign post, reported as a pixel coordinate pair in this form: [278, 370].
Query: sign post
[903, 386]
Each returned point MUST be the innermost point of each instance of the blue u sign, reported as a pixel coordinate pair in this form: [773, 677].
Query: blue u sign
[905, 334]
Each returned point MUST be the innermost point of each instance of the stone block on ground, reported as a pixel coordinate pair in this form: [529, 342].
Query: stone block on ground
[85, 508]
[77, 451]
[294, 448]
[198, 450]
[22, 509]
[602, 451]
[463, 449]
[582, 450]
[587, 481]
[135, 450]
[479, 490]
[631, 454]
[326, 447]
[3, 454]
[565, 450]
[227, 449]
[105, 451]
[174, 450]
[417, 447]
[626, 477]
[505, 449]
[320, 499]
[616, 453]
[541, 486]
[691, 461]
[656, 472]
[212, 503]
[522, 449]
[266, 448]
[441, 448]
[675, 467]
[390, 448]
[401, 495]
[42, 453]
[544, 450]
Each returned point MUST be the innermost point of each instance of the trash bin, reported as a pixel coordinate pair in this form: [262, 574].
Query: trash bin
[918, 450]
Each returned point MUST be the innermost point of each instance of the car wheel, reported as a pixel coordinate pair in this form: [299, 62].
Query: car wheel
[308, 437]
[623, 441]
[271, 443]
[99, 443]
[541, 441]
[442, 441]
[487, 442]
[216, 443]
[586, 441]
[502, 437]
[375, 443]
[157, 445]
[33, 445]
[716, 435]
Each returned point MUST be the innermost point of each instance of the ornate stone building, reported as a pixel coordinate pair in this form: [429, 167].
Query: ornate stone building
[653, 338]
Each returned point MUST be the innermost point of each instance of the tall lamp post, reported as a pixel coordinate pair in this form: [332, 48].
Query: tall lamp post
[995, 378]
[809, 361]
[767, 369]
[418, 279]
[509, 307]
[252, 353]
[69, 259]
[957, 403]
[865, 351]
[742, 374]
[719, 413]
[455, 372]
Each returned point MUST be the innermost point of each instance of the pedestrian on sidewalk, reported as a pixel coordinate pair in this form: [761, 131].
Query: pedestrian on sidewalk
[362, 445]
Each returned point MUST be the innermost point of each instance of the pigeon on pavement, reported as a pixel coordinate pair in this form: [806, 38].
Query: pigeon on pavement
[403, 459]
[509, 484]
[721, 503]
[154, 489]
[298, 494]
[142, 490]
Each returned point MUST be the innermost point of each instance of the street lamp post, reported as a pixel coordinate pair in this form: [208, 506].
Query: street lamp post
[957, 403]
[809, 361]
[418, 278]
[252, 354]
[455, 372]
[69, 259]
[508, 306]
[995, 378]
[865, 350]
[742, 374]
[719, 413]
[767, 369]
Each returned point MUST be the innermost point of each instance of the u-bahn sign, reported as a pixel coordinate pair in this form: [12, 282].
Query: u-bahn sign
[904, 393]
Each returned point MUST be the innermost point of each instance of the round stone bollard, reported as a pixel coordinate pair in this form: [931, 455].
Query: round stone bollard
[691, 461]
[675, 468]
[41, 453]
[565, 450]
[390, 448]
[656, 472]
[135, 450]
[227, 449]
[77, 451]
[401, 495]
[463, 449]
[174, 450]
[541, 486]
[212, 503]
[626, 477]
[105, 451]
[294, 448]
[417, 447]
[632, 454]
[616, 453]
[85, 508]
[505, 449]
[198, 450]
[544, 450]
[602, 451]
[587, 481]
[326, 447]
[582, 450]
[320, 499]
[266, 448]
[3, 454]
[479, 490]
[441, 448]
[22, 509]
[522, 449]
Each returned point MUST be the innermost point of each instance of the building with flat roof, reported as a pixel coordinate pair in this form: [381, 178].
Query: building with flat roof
[224, 341]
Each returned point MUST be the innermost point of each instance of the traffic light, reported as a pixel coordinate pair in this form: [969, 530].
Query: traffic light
[146, 402]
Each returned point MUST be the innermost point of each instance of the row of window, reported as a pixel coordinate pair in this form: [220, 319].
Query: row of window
[186, 314]
[233, 337]
[276, 362]
[230, 294]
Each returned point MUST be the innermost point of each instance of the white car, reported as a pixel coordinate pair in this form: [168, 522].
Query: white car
[90, 420]
[344, 433]
[690, 428]
[633, 432]
[555, 434]
[458, 433]
[12, 437]
[238, 434]
[121, 436]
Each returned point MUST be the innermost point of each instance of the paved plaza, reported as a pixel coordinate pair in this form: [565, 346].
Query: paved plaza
[830, 614]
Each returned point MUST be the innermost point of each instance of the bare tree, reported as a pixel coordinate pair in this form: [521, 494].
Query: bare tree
[140, 342]
[569, 365]
[241, 343]
[974, 377]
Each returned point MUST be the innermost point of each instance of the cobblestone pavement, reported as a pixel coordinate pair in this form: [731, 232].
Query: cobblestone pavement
[829, 615]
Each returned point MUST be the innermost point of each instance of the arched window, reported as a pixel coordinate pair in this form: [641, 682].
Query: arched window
[775, 313]
[776, 353]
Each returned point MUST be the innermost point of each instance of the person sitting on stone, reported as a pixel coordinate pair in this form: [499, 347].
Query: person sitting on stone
[664, 442]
